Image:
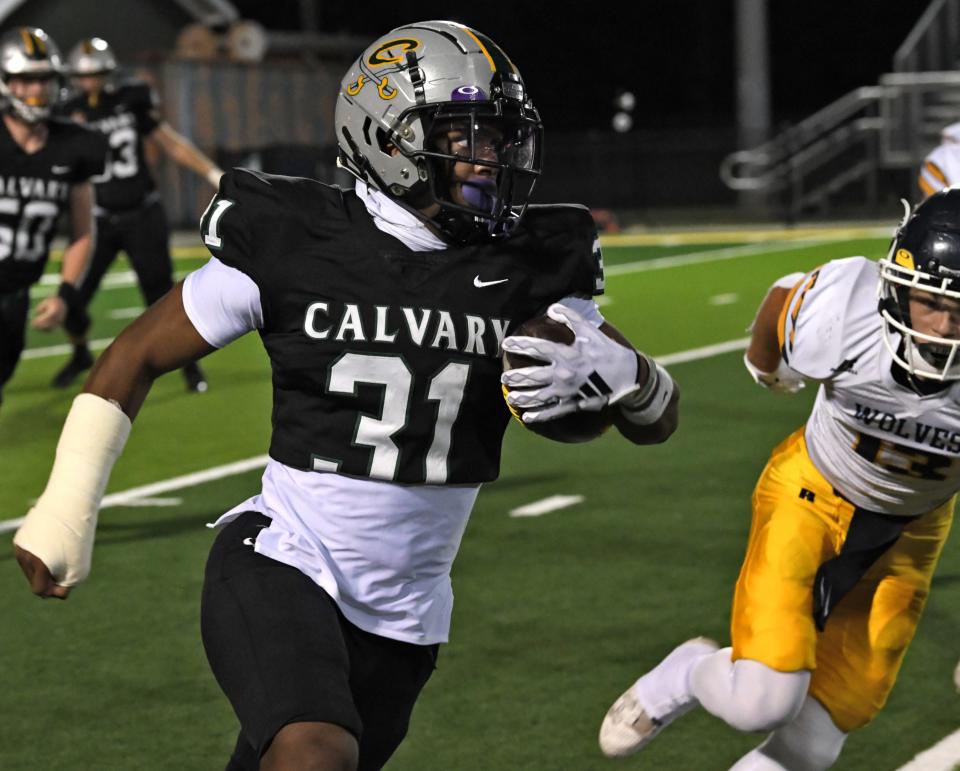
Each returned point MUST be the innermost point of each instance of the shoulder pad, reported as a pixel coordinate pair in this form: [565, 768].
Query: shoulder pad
[562, 241]
[88, 148]
[543, 219]
[255, 217]
[832, 308]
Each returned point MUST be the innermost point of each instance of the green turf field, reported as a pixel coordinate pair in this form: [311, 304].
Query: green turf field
[555, 615]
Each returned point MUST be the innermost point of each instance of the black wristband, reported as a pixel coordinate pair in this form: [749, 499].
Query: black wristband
[69, 294]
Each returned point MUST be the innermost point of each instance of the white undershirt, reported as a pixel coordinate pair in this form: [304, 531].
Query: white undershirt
[382, 551]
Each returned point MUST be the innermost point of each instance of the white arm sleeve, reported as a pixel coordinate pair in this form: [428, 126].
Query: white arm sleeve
[223, 303]
[586, 307]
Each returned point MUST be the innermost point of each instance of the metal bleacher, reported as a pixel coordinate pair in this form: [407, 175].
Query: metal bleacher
[868, 134]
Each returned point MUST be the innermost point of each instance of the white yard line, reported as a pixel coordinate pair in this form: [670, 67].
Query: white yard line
[705, 352]
[121, 279]
[138, 496]
[126, 313]
[709, 255]
[727, 298]
[546, 505]
[942, 756]
[63, 349]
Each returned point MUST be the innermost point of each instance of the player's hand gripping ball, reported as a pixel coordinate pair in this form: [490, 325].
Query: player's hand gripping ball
[575, 425]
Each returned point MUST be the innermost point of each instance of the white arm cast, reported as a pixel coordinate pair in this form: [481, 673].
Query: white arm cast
[59, 529]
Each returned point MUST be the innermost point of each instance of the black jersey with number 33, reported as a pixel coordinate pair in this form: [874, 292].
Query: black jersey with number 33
[386, 361]
[125, 113]
[34, 191]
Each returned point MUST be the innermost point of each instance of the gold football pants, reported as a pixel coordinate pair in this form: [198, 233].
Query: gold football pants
[799, 522]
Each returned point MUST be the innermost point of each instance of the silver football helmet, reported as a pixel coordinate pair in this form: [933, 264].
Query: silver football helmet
[922, 272]
[28, 53]
[426, 98]
[92, 56]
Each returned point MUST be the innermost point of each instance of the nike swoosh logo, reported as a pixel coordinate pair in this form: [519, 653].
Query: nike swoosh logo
[248, 542]
[481, 284]
[59, 169]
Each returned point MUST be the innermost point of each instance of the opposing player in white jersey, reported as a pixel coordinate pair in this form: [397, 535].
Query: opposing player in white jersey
[941, 167]
[849, 515]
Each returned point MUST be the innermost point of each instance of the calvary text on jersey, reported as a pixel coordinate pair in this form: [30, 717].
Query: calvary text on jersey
[429, 327]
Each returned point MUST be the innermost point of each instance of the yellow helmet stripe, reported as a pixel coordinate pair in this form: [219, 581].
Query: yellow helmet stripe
[483, 48]
[27, 40]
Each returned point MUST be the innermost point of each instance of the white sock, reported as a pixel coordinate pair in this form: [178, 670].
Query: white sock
[664, 692]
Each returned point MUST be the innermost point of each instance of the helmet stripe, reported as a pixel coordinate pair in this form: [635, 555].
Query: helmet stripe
[27, 40]
[483, 48]
[501, 60]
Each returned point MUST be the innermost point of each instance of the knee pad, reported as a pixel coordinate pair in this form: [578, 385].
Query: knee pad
[748, 695]
[810, 742]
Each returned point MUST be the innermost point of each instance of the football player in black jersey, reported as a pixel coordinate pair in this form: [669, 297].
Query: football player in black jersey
[384, 311]
[45, 169]
[129, 213]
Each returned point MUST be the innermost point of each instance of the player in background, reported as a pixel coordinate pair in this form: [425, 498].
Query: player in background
[45, 169]
[383, 310]
[130, 215]
[849, 515]
[941, 168]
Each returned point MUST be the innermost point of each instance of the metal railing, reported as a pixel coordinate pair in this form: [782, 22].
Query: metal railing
[892, 125]
[934, 41]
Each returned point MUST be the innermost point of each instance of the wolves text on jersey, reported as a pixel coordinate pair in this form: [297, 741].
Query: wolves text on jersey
[32, 187]
[421, 326]
[922, 433]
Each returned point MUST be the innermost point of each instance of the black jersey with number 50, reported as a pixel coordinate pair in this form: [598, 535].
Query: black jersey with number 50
[34, 191]
[386, 361]
[125, 113]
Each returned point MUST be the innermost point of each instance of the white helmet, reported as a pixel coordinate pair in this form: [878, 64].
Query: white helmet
[398, 105]
[29, 53]
[92, 56]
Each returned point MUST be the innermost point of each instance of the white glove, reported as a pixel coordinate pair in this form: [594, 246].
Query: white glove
[590, 373]
[782, 380]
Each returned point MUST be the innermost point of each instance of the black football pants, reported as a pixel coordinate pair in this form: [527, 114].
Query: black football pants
[144, 235]
[14, 307]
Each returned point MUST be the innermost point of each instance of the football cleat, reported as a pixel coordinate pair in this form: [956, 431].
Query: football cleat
[79, 363]
[196, 379]
[629, 726]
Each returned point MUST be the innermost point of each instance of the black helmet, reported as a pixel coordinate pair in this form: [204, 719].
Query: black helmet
[924, 255]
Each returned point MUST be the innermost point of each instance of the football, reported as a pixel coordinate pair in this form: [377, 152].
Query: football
[573, 428]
